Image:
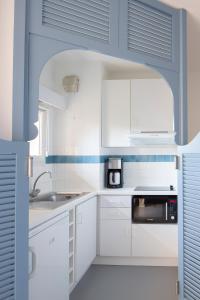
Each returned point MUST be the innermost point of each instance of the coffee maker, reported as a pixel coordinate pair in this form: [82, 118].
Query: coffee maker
[114, 173]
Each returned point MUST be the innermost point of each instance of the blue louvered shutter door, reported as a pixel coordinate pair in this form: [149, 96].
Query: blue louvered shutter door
[89, 23]
[150, 31]
[189, 221]
[13, 221]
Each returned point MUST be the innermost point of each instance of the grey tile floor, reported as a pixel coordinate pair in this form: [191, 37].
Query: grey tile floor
[127, 283]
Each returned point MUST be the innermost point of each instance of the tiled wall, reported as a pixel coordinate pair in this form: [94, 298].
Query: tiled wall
[77, 164]
[86, 173]
[45, 182]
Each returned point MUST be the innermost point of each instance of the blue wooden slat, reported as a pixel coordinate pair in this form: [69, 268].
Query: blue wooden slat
[7, 188]
[7, 261]
[7, 281]
[13, 221]
[144, 20]
[7, 287]
[189, 222]
[71, 13]
[8, 274]
[7, 195]
[7, 176]
[10, 258]
[7, 206]
[5, 295]
[7, 213]
[7, 219]
[8, 157]
[7, 181]
[90, 19]
[6, 244]
[8, 169]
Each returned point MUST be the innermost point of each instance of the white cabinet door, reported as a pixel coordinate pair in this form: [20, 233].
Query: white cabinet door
[48, 257]
[115, 237]
[156, 241]
[116, 113]
[108, 201]
[85, 236]
[151, 105]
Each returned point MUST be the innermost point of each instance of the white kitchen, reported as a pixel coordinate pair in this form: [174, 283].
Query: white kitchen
[103, 193]
[99, 150]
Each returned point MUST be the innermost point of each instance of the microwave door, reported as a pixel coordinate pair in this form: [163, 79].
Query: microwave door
[149, 210]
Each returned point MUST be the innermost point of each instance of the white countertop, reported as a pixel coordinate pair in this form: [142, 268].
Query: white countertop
[39, 216]
[131, 191]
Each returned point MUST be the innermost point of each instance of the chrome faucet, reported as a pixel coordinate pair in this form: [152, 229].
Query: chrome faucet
[34, 193]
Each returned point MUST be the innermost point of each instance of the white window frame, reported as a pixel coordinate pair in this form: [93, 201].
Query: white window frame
[42, 139]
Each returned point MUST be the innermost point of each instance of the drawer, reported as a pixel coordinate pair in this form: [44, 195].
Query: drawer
[115, 201]
[115, 213]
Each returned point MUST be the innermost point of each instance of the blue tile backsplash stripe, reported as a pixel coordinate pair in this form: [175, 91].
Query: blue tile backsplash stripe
[95, 159]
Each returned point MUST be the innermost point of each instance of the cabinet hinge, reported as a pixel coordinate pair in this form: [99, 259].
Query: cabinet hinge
[177, 162]
[30, 166]
[177, 287]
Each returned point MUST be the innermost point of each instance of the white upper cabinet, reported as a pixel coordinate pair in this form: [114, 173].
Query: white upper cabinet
[151, 106]
[137, 111]
[116, 113]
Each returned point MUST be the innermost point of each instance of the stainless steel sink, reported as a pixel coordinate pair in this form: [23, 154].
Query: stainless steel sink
[52, 200]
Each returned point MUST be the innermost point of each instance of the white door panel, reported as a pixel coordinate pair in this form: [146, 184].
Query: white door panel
[156, 241]
[48, 254]
[85, 236]
[115, 238]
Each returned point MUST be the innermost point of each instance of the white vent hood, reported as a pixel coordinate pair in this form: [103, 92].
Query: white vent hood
[152, 138]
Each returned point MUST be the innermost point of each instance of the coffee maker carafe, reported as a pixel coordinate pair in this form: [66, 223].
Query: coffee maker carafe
[114, 173]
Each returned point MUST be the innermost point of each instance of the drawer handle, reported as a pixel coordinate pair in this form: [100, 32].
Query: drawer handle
[33, 262]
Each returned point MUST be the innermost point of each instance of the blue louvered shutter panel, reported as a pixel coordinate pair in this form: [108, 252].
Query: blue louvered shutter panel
[83, 18]
[13, 221]
[152, 32]
[189, 222]
[92, 22]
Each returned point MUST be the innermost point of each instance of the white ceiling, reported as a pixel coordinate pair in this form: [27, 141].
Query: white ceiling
[193, 27]
[111, 64]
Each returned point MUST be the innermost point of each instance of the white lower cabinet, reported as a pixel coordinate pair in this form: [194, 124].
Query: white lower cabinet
[155, 240]
[115, 226]
[48, 260]
[115, 237]
[85, 236]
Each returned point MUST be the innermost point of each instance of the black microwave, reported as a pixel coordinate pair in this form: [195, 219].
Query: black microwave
[154, 209]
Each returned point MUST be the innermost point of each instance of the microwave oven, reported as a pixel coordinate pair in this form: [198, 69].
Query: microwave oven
[154, 209]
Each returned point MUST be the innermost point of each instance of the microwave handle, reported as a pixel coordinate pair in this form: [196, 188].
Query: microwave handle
[166, 211]
[133, 207]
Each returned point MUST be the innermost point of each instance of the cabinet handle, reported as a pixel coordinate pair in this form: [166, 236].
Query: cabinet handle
[33, 262]
[79, 219]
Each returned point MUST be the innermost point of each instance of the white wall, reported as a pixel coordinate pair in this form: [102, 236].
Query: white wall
[194, 103]
[45, 182]
[79, 125]
[77, 131]
[6, 67]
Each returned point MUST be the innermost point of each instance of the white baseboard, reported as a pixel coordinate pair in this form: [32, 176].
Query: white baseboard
[136, 261]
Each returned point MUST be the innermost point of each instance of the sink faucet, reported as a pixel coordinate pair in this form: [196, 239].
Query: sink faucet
[35, 192]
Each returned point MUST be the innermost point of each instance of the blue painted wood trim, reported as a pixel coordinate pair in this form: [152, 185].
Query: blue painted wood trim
[95, 159]
[20, 70]
[183, 106]
[49, 45]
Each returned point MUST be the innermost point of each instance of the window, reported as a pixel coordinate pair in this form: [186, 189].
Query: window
[38, 146]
